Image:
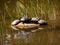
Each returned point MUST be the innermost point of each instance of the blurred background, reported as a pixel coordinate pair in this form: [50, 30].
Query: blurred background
[48, 10]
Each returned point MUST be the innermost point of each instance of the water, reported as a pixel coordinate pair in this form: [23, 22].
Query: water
[32, 38]
[49, 35]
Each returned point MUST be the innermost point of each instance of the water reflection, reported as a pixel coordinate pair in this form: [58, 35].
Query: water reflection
[35, 37]
[19, 36]
[8, 37]
[23, 35]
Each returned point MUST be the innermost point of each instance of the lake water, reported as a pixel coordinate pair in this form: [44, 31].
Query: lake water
[45, 35]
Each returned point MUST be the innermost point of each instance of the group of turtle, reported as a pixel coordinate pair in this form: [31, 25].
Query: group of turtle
[34, 20]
